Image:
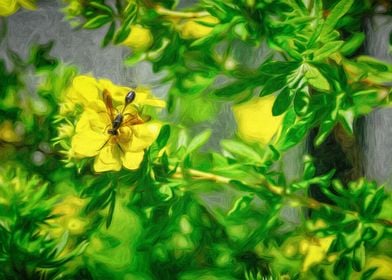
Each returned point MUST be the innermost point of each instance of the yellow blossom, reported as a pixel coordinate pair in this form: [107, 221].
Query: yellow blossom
[87, 91]
[9, 7]
[8, 133]
[126, 146]
[194, 30]
[255, 122]
[139, 39]
[315, 251]
[69, 218]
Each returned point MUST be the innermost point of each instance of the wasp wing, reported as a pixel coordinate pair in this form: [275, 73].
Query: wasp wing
[107, 98]
[135, 119]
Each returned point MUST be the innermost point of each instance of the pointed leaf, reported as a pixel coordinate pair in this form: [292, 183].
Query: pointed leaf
[198, 141]
[282, 102]
[274, 84]
[97, 22]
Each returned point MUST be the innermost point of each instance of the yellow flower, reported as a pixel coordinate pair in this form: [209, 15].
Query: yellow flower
[9, 7]
[8, 133]
[194, 30]
[315, 250]
[69, 218]
[95, 133]
[255, 122]
[139, 39]
[87, 91]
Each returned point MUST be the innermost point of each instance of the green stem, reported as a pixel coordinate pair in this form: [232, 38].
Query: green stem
[294, 199]
[165, 12]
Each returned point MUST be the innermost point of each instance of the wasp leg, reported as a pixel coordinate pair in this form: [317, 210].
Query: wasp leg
[106, 127]
[104, 144]
[121, 149]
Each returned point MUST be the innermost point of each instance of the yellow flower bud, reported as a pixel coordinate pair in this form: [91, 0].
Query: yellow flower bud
[8, 7]
[255, 122]
[193, 30]
[139, 39]
[7, 132]
[76, 226]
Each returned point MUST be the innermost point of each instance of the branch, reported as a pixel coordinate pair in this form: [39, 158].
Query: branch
[176, 14]
[295, 199]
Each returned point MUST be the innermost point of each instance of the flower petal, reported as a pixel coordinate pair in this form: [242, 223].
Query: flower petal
[144, 135]
[117, 93]
[155, 103]
[87, 143]
[92, 120]
[132, 160]
[144, 97]
[85, 89]
[108, 159]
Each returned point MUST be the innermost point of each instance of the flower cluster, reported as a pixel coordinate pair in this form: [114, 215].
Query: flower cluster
[111, 127]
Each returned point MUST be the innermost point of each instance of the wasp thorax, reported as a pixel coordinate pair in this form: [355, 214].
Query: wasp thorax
[130, 97]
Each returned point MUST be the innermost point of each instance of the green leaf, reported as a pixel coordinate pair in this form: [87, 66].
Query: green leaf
[109, 34]
[288, 121]
[242, 150]
[274, 84]
[338, 11]
[112, 205]
[97, 22]
[232, 89]
[373, 203]
[324, 130]
[104, 8]
[278, 68]
[358, 260]
[301, 102]
[163, 136]
[295, 134]
[352, 43]
[309, 168]
[346, 118]
[122, 34]
[368, 273]
[316, 34]
[282, 102]
[198, 141]
[326, 50]
[136, 58]
[316, 79]
[374, 63]
[241, 204]
[342, 268]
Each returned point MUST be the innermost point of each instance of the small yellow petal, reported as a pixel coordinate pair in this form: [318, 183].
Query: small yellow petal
[85, 90]
[117, 92]
[92, 120]
[8, 7]
[144, 97]
[144, 135]
[155, 102]
[27, 4]
[132, 160]
[88, 143]
[108, 159]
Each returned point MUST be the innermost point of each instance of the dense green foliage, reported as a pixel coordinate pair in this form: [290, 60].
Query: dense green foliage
[191, 211]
